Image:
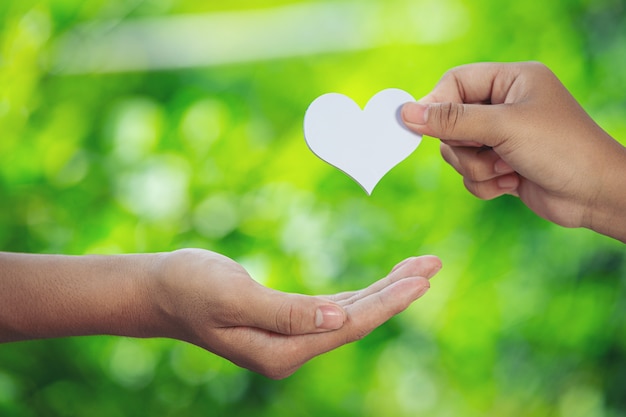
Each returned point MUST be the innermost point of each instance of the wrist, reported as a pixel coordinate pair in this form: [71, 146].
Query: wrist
[608, 207]
[142, 315]
[118, 295]
[160, 315]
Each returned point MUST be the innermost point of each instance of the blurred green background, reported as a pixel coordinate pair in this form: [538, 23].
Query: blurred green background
[152, 125]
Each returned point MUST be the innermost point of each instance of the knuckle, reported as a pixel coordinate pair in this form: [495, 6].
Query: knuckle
[537, 66]
[537, 71]
[473, 188]
[483, 190]
[359, 329]
[284, 320]
[452, 157]
[447, 117]
[473, 171]
[452, 73]
[446, 153]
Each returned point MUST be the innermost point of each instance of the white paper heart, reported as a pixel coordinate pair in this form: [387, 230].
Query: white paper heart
[365, 144]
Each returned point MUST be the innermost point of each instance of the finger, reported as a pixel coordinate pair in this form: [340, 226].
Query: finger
[424, 266]
[479, 83]
[366, 315]
[419, 265]
[375, 309]
[291, 314]
[478, 123]
[475, 164]
[490, 189]
[468, 143]
[278, 356]
[451, 111]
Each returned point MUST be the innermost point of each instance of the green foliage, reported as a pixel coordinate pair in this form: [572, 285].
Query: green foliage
[526, 318]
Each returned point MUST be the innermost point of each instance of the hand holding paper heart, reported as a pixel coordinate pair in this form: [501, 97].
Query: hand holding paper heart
[515, 129]
[365, 144]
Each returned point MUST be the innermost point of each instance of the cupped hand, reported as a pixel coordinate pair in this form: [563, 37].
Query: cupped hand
[209, 300]
[515, 129]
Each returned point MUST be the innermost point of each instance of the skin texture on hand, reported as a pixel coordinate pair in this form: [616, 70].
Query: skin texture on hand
[515, 129]
[268, 331]
[199, 297]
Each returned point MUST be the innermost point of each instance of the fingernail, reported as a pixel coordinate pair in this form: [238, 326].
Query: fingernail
[415, 113]
[507, 182]
[501, 167]
[329, 317]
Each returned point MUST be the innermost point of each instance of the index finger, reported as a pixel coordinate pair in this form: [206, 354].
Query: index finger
[423, 266]
[480, 83]
[364, 316]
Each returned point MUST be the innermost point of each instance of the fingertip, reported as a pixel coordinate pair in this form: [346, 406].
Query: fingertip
[434, 259]
[425, 266]
[405, 291]
[419, 285]
[424, 287]
[414, 113]
[437, 266]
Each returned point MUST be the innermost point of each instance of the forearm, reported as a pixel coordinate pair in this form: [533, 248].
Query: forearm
[45, 296]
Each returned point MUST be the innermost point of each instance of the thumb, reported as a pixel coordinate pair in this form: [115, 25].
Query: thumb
[455, 121]
[293, 314]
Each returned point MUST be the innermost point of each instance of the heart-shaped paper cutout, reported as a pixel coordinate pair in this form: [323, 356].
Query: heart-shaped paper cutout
[365, 144]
